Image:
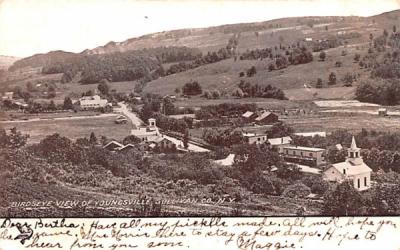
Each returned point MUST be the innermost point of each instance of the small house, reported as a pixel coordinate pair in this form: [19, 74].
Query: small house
[163, 144]
[126, 148]
[253, 138]
[382, 112]
[249, 116]
[8, 96]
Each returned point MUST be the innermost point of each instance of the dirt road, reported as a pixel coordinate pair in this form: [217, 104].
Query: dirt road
[136, 121]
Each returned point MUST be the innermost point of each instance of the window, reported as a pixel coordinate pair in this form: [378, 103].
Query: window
[365, 181]
[301, 153]
[311, 155]
[258, 139]
[358, 183]
[351, 154]
[344, 171]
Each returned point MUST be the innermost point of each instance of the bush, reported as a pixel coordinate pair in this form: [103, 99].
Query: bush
[297, 190]
[322, 56]
[251, 72]
[192, 88]
[332, 78]
[316, 184]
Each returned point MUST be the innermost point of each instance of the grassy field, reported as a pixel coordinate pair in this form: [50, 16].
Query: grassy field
[12, 115]
[261, 102]
[224, 76]
[324, 93]
[76, 89]
[351, 122]
[72, 129]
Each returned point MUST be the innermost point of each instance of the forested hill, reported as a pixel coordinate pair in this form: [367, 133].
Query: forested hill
[117, 66]
[40, 60]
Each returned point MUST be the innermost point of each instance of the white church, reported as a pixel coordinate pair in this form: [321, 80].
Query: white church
[353, 169]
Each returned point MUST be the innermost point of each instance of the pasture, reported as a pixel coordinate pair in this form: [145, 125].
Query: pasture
[298, 81]
[71, 128]
[349, 121]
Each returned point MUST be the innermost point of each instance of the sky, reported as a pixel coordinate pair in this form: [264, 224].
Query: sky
[28, 27]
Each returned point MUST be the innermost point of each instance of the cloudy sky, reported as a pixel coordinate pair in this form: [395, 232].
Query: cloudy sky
[28, 27]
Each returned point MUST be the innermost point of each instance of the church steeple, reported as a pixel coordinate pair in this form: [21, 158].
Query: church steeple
[353, 153]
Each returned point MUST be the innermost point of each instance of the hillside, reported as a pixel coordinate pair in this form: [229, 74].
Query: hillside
[41, 60]
[213, 38]
[7, 61]
[142, 58]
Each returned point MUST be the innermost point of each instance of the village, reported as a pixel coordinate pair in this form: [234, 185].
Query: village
[153, 140]
[296, 116]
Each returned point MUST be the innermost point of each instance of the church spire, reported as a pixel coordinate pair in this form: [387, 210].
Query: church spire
[354, 155]
[353, 144]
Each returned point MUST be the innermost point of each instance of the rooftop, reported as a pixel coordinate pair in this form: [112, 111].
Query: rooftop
[312, 134]
[280, 141]
[352, 169]
[263, 115]
[247, 114]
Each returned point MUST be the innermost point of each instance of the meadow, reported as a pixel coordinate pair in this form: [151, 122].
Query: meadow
[73, 128]
[298, 81]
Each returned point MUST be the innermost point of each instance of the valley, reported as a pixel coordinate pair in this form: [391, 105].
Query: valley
[256, 113]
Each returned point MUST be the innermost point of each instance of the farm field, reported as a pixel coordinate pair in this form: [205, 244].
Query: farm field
[12, 115]
[324, 93]
[260, 102]
[341, 103]
[224, 76]
[73, 129]
[349, 122]
[75, 89]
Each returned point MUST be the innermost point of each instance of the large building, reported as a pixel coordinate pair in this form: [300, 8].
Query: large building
[149, 133]
[353, 169]
[92, 102]
[304, 155]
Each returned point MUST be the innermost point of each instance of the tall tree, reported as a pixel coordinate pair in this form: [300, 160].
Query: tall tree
[332, 78]
[93, 139]
[103, 87]
[68, 103]
[186, 139]
[322, 56]
[345, 200]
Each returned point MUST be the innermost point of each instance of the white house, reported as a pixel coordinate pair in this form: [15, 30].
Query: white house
[91, 102]
[353, 169]
[280, 143]
[8, 96]
[253, 138]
